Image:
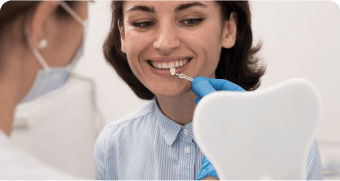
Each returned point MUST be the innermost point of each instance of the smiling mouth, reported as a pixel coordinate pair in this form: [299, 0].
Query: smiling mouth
[168, 65]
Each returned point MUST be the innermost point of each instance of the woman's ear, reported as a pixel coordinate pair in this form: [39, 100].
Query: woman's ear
[122, 37]
[229, 31]
[43, 13]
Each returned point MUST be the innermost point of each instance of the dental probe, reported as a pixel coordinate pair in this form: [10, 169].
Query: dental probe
[182, 76]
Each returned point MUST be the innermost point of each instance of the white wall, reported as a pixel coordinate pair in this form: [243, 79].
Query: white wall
[299, 40]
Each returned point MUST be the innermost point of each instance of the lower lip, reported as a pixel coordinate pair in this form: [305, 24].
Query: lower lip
[166, 73]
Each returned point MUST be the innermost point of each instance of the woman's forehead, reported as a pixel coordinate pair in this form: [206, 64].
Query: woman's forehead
[159, 6]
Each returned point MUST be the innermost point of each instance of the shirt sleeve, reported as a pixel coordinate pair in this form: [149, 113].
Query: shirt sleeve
[313, 172]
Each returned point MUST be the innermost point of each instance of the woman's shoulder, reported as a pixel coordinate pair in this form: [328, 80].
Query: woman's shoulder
[137, 114]
[134, 119]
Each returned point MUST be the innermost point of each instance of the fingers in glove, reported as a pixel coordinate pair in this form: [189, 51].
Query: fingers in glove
[221, 84]
[201, 87]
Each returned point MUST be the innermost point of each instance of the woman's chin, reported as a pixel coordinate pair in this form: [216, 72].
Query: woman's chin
[171, 93]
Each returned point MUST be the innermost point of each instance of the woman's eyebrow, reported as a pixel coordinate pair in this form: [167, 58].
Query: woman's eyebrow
[141, 8]
[179, 8]
[188, 5]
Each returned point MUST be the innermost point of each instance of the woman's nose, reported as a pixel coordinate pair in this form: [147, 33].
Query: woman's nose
[167, 39]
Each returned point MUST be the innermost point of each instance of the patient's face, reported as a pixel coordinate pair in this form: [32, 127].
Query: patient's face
[159, 35]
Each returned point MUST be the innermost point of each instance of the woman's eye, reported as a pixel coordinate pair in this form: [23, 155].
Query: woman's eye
[192, 22]
[143, 24]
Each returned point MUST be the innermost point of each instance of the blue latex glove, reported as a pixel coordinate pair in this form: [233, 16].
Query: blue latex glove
[202, 86]
[206, 169]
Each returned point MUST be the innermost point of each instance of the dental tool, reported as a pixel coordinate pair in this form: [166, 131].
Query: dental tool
[182, 76]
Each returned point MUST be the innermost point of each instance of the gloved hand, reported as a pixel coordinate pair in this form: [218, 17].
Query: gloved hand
[206, 170]
[202, 86]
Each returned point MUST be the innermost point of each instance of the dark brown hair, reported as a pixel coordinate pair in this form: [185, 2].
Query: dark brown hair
[237, 64]
[11, 11]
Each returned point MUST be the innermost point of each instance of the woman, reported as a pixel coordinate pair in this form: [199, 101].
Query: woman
[38, 43]
[201, 39]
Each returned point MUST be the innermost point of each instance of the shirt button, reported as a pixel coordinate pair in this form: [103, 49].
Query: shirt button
[186, 132]
[187, 150]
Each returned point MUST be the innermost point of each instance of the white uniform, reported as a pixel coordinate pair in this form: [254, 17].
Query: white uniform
[19, 165]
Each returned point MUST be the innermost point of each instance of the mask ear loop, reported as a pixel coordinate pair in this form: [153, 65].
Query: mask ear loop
[81, 22]
[35, 52]
[72, 12]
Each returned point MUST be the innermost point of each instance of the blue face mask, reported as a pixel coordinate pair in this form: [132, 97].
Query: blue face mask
[49, 78]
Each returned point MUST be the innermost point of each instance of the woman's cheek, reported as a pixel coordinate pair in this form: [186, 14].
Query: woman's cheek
[137, 42]
[196, 38]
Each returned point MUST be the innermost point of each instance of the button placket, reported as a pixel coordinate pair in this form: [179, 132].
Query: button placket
[187, 157]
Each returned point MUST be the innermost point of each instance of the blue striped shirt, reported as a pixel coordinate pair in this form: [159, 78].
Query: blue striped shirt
[147, 145]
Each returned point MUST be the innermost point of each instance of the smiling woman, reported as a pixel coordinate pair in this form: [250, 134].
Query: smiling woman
[146, 39]
[199, 24]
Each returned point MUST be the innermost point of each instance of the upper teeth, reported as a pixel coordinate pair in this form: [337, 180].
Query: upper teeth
[166, 65]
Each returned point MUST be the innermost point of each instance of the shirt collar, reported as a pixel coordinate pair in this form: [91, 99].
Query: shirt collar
[190, 130]
[170, 129]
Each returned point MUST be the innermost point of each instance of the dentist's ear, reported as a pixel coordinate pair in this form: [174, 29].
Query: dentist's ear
[229, 31]
[38, 29]
[122, 37]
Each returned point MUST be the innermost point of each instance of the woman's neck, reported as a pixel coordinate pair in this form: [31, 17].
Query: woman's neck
[179, 109]
[6, 119]
[10, 86]
[8, 98]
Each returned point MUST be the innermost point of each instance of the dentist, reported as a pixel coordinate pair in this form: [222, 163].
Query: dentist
[40, 42]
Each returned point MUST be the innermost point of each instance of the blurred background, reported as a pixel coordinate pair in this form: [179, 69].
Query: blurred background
[300, 39]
